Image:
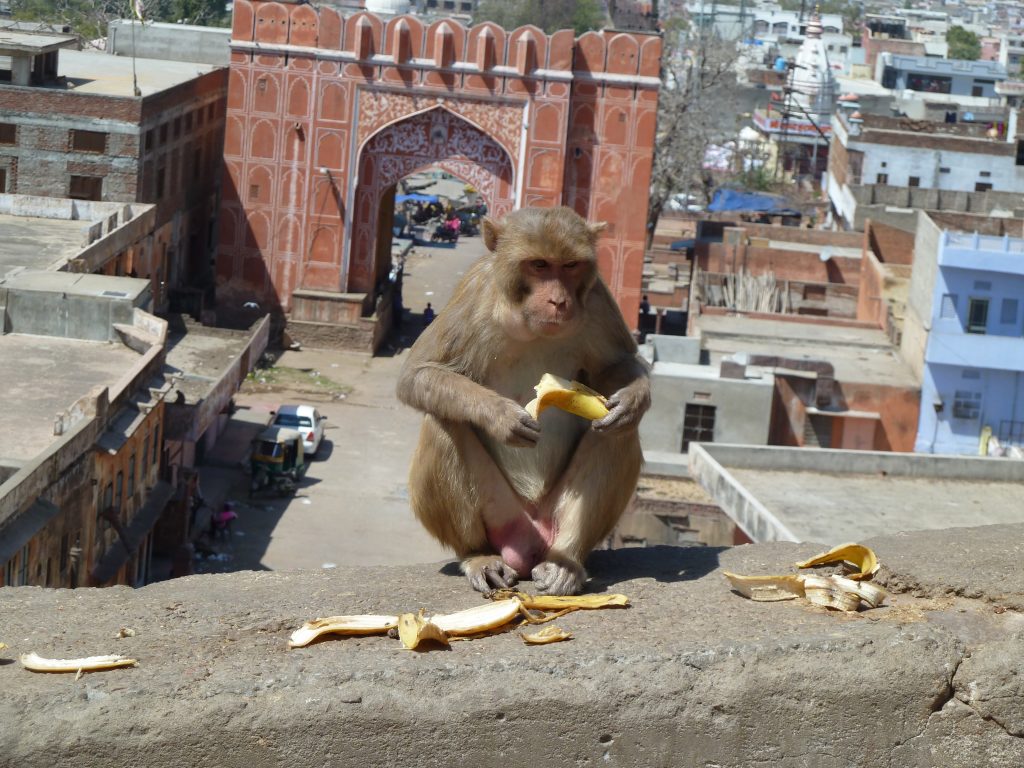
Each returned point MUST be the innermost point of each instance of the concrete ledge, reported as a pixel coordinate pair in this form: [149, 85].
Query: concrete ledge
[690, 675]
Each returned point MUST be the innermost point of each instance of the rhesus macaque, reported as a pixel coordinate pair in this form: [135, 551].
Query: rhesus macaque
[515, 497]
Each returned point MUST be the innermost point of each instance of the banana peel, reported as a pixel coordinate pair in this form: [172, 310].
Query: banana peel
[37, 663]
[861, 558]
[844, 593]
[547, 635]
[568, 395]
[506, 610]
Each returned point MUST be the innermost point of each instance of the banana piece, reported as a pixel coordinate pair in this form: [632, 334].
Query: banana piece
[480, 618]
[823, 590]
[414, 628]
[872, 594]
[767, 589]
[37, 663]
[547, 635]
[561, 602]
[859, 556]
[341, 625]
[568, 395]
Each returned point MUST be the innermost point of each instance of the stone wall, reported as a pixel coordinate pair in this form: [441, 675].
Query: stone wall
[691, 674]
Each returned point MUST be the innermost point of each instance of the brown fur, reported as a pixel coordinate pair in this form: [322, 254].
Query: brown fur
[473, 369]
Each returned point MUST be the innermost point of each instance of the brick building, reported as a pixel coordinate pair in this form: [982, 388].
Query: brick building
[326, 114]
[88, 126]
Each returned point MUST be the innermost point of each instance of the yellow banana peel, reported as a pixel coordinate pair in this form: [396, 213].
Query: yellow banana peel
[37, 663]
[860, 557]
[568, 395]
[341, 625]
[844, 593]
[547, 635]
[414, 628]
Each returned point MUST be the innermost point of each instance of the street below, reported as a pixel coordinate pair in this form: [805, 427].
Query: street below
[352, 507]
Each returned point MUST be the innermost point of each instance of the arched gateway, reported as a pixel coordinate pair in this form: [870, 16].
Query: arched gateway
[326, 114]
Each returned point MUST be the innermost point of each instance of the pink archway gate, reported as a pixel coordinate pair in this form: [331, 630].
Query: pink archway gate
[325, 112]
[434, 137]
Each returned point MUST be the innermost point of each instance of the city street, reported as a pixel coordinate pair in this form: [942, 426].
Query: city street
[352, 507]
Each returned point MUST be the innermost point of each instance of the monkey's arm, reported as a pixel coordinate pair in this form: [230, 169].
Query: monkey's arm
[631, 387]
[450, 396]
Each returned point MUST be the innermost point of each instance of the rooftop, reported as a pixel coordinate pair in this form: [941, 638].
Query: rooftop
[69, 368]
[858, 354]
[33, 243]
[78, 284]
[201, 354]
[815, 494]
[32, 43]
[991, 69]
[103, 75]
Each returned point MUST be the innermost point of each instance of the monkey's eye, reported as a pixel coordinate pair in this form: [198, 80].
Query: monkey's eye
[570, 265]
[539, 265]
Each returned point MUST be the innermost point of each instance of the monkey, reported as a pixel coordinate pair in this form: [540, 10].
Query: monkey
[516, 497]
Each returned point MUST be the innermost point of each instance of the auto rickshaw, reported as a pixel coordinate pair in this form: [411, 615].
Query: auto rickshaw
[277, 460]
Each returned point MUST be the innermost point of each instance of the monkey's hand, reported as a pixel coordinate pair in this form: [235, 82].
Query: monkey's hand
[509, 423]
[489, 572]
[558, 576]
[626, 407]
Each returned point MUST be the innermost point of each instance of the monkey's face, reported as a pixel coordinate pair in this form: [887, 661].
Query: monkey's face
[553, 292]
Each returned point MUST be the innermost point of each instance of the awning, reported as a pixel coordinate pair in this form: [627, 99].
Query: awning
[141, 524]
[731, 200]
[417, 198]
[24, 527]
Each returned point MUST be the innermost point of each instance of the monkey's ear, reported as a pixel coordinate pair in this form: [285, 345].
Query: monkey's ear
[492, 233]
[596, 229]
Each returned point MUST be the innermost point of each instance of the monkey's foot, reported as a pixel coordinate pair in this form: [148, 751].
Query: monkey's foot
[489, 572]
[558, 577]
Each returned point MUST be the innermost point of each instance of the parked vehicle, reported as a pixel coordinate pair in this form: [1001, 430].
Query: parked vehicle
[278, 460]
[305, 419]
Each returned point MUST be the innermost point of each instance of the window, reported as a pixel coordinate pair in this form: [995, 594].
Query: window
[188, 121]
[966, 405]
[163, 133]
[89, 141]
[929, 83]
[23, 567]
[977, 316]
[108, 497]
[85, 188]
[9, 573]
[943, 170]
[914, 181]
[131, 476]
[1020, 152]
[119, 491]
[64, 551]
[156, 447]
[971, 373]
[982, 187]
[1008, 312]
[983, 285]
[698, 424]
[177, 126]
[882, 178]
[3, 179]
[161, 179]
[985, 174]
[8, 133]
[149, 138]
[145, 458]
[948, 306]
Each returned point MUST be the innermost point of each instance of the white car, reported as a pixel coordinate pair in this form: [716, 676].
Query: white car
[306, 420]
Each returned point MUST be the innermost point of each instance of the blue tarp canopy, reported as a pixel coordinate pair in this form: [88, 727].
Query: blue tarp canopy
[732, 200]
[682, 245]
[416, 197]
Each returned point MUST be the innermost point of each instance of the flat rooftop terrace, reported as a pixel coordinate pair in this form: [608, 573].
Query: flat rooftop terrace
[105, 75]
[861, 355]
[201, 355]
[50, 375]
[30, 242]
[807, 494]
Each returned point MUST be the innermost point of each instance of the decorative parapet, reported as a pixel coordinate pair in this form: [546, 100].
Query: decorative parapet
[445, 46]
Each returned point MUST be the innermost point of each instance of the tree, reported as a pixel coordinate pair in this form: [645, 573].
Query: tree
[963, 44]
[550, 15]
[698, 91]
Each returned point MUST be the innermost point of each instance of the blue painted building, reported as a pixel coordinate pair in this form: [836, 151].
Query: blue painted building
[973, 338]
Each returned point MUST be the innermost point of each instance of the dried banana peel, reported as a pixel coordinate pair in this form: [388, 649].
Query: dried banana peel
[844, 593]
[414, 628]
[767, 589]
[547, 635]
[860, 557]
[37, 663]
[568, 395]
[341, 625]
[561, 602]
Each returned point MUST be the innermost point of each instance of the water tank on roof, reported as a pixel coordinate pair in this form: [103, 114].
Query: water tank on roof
[388, 7]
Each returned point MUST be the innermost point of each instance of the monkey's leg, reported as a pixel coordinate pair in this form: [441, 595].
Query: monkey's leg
[459, 494]
[588, 501]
